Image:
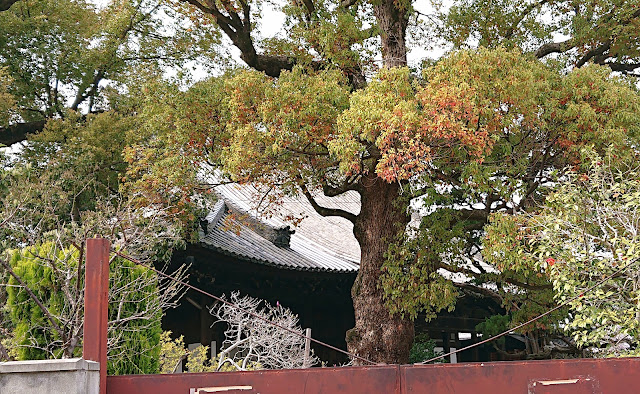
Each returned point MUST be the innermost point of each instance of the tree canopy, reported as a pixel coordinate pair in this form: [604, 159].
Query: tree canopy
[329, 106]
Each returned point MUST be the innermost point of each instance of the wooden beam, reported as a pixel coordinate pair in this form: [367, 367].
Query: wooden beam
[96, 304]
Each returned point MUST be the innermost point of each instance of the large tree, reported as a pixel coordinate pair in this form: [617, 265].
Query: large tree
[477, 133]
[329, 108]
[63, 57]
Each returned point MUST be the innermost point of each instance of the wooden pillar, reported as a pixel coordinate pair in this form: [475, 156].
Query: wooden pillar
[446, 347]
[206, 321]
[474, 350]
[307, 348]
[96, 303]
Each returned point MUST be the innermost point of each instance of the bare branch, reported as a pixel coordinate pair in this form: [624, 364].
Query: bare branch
[260, 343]
[324, 211]
[35, 299]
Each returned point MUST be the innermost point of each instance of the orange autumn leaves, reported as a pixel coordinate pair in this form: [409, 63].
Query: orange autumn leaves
[458, 111]
[453, 114]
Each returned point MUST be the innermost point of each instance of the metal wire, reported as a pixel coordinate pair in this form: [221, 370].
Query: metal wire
[567, 302]
[136, 261]
[493, 338]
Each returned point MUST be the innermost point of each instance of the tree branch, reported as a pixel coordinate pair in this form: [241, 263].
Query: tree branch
[597, 51]
[347, 3]
[554, 47]
[624, 68]
[4, 354]
[324, 211]
[239, 31]
[474, 214]
[528, 286]
[524, 14]
[18, 132]
[6, 4]
[347, 185]
[481, 290]
[93, 88]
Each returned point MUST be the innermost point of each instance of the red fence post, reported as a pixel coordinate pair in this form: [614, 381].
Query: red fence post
[96, 302]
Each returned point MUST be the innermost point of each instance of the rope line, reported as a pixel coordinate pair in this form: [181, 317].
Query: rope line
[493, 338]
[136, 261]
[567, 302]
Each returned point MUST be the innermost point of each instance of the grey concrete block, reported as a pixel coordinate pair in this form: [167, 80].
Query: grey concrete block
[68, 376]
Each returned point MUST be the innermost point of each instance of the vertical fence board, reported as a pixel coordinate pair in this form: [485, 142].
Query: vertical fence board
[96, 302]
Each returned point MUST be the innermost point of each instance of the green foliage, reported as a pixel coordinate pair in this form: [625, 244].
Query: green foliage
[7, 101]
[61, 54]
[197, 360]
[478, 127]
[66, 183]
[531, 24]
[137, 349]
[74, 178]
[172, 351]
[585, 232]
[494, 325]
[34, 336]
[469, 135]
[53, 276]
[479, 131]
[423, 349]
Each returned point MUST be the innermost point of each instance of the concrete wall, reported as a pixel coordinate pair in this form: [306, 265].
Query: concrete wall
[68, 376]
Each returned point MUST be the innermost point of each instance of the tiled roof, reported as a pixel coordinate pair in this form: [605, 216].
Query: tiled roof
[334, 235]
[329, 241]
[236, 236]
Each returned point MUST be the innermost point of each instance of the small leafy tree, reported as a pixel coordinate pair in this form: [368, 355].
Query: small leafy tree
[424, 348]
[173, 352]
[588, 229]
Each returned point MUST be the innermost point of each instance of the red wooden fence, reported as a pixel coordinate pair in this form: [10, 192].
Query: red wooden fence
[531, 377]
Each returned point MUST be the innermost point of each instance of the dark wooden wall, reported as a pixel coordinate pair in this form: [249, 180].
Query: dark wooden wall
[321, 300]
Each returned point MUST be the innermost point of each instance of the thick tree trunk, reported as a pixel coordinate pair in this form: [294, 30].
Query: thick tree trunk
[378, 336]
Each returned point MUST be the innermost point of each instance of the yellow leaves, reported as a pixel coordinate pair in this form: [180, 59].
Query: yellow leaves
[275, 123]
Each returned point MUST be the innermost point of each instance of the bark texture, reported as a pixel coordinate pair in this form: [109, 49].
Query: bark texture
[393, 22]
[378, 336]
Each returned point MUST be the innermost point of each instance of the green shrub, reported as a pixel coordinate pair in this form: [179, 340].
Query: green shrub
[52, 275]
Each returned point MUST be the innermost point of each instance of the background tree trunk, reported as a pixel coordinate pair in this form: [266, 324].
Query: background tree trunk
[393, 25]
[377, 336]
